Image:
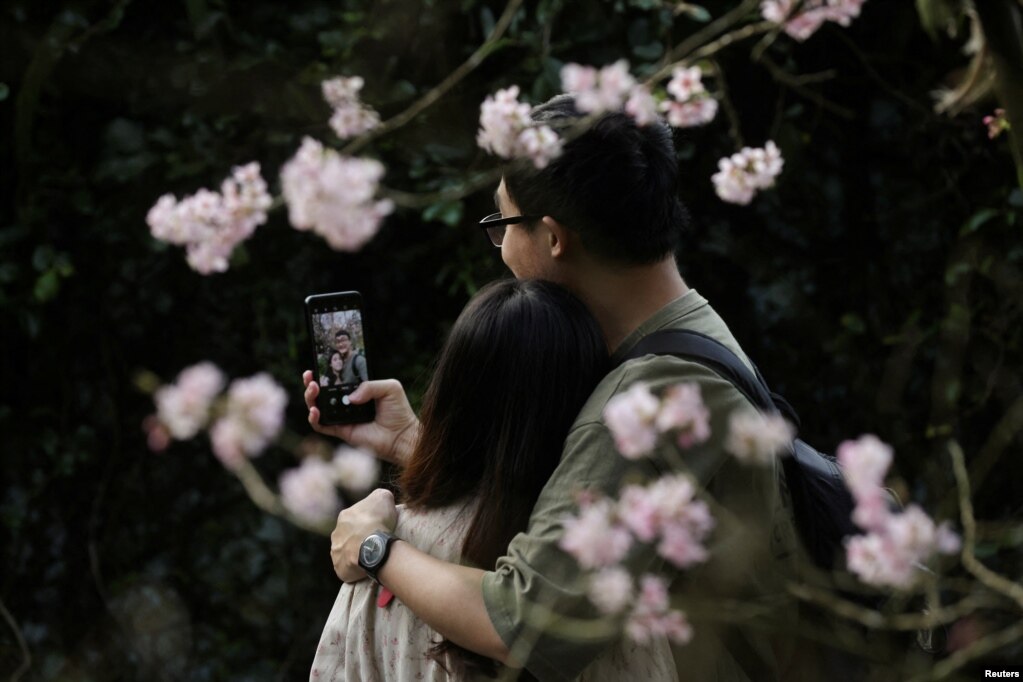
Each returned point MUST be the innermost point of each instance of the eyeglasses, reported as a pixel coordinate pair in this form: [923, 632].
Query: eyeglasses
[495, 225]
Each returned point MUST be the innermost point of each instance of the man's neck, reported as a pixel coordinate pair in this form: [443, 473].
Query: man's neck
[623, 298]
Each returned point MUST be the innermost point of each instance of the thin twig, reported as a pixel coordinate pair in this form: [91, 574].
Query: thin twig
[26, 656]
[796, 84]
[438, 91]
[711, 49]
[265, 499]
[734, 128]
[981, 572]
[701, 37]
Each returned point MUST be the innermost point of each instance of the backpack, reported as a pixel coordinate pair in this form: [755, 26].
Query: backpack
[821, 503]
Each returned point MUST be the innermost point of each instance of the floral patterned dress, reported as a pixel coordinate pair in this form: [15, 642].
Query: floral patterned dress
[362, 642]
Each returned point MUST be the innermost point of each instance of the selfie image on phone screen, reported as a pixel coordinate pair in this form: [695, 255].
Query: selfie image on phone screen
[339, 355]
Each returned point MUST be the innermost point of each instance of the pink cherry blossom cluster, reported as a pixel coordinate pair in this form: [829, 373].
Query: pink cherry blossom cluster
[245, 420]
[252, 418]
[801, 19]
[757, 438]
[996, 123]
[741, 175]
[612, 88]
[665, 512]
[210, 224]
[350, 117]
[333, 195]
[636, 418]
[690, 104]
[309, 491]
[183, 408]
[506, 130]
[896, 545]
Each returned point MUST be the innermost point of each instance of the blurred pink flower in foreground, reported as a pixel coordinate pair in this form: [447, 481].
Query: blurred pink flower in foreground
[184, 406]
[668, 509]
[611, 589]
[757, 438]
[595, 538]
[333, 195]
[741, 175]
[810, 15]
[308, 491]
[253, 417]
[652, 617]
[682, 410]
[354, 469]
[351, 117]
[630, 418]
[896, 544]
[210, 224]
[506, 130]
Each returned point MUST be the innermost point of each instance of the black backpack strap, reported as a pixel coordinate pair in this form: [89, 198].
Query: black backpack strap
[718, 357]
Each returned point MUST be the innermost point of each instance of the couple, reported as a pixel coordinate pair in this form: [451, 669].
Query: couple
[511, 429]
[344, 368]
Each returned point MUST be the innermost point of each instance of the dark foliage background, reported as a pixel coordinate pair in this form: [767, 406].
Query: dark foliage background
[878, 286]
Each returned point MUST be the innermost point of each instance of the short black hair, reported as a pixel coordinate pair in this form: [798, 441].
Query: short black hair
[616, 184]
[343, 332]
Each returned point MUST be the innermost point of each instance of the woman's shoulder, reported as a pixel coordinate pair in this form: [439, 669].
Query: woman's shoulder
[438, 531]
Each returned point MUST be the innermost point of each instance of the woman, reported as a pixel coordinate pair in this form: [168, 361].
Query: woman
[520, 361]
[333, 377]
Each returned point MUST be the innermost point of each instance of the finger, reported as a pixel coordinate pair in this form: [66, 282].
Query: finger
[374, 390]
[307, 376]
[311, 391]
[314, 416]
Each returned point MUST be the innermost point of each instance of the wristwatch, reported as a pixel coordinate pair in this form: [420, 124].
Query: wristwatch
[374, 552]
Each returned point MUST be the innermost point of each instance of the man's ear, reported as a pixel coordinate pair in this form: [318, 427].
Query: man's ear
[561, 240]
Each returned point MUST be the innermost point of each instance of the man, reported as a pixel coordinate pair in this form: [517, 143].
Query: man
[604, 221]
[354, 369]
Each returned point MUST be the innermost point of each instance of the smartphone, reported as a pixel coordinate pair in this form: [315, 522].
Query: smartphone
[337, 341]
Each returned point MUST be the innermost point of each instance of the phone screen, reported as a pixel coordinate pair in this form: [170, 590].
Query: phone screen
[338, 338]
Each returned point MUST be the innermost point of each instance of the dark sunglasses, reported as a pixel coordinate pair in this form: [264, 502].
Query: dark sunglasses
[495, 225]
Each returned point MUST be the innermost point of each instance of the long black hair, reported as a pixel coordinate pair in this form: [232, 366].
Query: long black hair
[511, 378]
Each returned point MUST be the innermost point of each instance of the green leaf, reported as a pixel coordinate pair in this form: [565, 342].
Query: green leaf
[978, 219]
[4, 91]
[47, 286]
[853, 323]
[447, 212]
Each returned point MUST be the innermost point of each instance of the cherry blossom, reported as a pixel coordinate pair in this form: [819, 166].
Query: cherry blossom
[183, 407]
[757, 438]
[682, 410]
[254, 415]
[350, 116]
[210, 224]
[744, 173]
[690, 103]
[611, 590]
[668, 509]
[506, 130]
[641, 106]
[355, 469]
[652, 616]
[332, 195]
[996, 123]
[802, 22]
[630, 417]
[896, 544]
[598, 91]
[594, 538]
[308, 492]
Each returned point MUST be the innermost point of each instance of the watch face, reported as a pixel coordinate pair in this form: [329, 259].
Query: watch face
[372, 550]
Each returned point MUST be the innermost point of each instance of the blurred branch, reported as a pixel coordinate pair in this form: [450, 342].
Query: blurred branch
[1002, 24]
[982, 573]
[693, 42]
[268, 501]
[798, 85]
[876, 620]
[26, 656]
[734, 128]
[464, 189]
[438, 91]
[981, 647]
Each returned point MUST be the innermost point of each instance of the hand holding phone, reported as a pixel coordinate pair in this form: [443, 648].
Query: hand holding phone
[337, 340]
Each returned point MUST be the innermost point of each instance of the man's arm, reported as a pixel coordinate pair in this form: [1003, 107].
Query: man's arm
[392, 435]
[447, 597]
